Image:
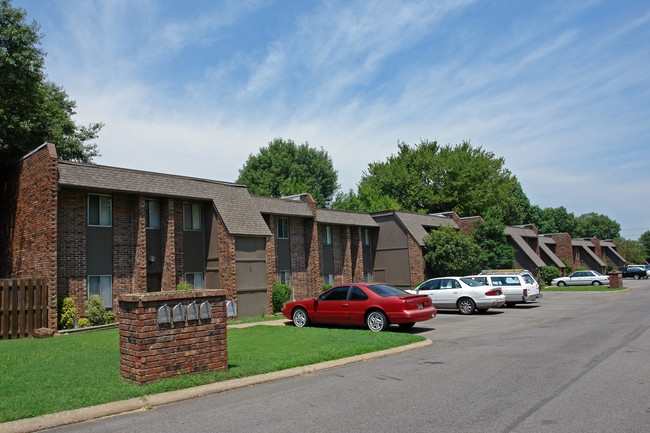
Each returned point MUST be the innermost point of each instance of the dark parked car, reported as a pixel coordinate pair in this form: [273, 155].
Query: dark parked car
[373, 304]
[629, 271]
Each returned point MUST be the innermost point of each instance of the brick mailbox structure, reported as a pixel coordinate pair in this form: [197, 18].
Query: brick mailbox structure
[615, 280]
[165, 334]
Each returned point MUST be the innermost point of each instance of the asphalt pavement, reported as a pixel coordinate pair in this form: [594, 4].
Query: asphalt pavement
[576, 361]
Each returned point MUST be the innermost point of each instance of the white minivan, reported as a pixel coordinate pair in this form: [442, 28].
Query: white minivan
[518, 287]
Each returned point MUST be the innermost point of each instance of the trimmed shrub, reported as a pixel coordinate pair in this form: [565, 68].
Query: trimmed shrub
[184, 286]
[110, 317]
[95, 311]
[548, 273]
[280, 295]
[83, 323]
[580, 268]
[67, 313]
[327, 287]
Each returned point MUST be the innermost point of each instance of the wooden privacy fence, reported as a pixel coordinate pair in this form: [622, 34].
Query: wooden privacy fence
[23, 307]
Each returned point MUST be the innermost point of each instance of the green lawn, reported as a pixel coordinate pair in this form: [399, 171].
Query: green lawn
[80, 370]
[581, 289]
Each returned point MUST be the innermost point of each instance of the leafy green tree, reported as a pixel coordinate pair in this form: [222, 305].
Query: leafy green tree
[633, 251]
[284, 168]
[596, 225]
[34, 110]
[364, 201]
[552, 220]
[495, 252]
[513, 211]
[645, 241]
[430, 178]
[450, 252]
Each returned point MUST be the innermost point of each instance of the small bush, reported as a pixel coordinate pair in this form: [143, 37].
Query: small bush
[110, 317]
[569, 269]
[83, 322]
[327, 287]
[67, 313]
[548, 273]
[609, 268]
[580, 268]
[280, 295]
[95, 310]
[184, 286]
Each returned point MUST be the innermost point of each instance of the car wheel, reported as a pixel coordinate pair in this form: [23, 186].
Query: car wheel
[561, 284]
[466, 306]
[636, 276]
[300, 317]
[596, 283]
[406, 325]
[376, 321]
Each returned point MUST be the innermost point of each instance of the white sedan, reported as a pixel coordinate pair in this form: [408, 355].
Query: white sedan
[582, 278]
[463, 294]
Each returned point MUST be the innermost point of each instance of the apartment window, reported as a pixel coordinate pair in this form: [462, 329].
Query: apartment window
[99, 210]
[101, 285]
[283, 228]
[285, 277]
[195, 279]
[192, 216]
[367, 277]
[366, 237]
[152, 213]
[327, 235]
[329, 279]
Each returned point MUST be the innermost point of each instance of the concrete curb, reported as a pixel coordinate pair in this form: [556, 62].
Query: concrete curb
[148, 402]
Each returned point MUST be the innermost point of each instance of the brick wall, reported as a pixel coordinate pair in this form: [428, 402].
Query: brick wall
[168, 226]
[346, 254]
[139, 280]
[467, 224]
[150, 351]
[128, 222]
[563, 247]
[416, 261]
[72, 233]
[356, 249]
[29, 222]
[312, 247]
[227, 263]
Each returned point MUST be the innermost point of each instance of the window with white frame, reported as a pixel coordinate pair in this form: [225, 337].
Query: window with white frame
[366, 237]
[100, 210]
[285, 277]
[101, 285]
[195, 279]
[283, 228]
[329, 279]
[327, 235]
[152, 213]
[192, 216]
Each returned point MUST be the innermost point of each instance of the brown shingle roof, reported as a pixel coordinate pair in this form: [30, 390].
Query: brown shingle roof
[232, 201]
[417, 224]
[517, 234]
[283, 206]
[344, 217]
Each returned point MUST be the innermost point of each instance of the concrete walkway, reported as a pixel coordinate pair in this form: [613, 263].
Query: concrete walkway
[148, 402]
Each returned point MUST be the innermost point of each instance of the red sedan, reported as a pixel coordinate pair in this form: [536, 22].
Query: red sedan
[374, 304]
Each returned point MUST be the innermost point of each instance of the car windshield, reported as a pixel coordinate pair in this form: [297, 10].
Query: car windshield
[385, 290]
[470, 282]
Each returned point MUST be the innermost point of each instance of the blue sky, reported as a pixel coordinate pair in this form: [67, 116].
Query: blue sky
[560, 89]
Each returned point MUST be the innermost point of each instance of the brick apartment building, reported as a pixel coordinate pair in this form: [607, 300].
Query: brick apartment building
[92, 229]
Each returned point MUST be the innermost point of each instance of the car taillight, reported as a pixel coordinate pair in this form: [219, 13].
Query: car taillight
[493, 293]
[525, 292]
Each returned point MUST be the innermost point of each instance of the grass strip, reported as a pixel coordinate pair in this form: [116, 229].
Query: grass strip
[582, 289]
[239, 321]
[80, 370]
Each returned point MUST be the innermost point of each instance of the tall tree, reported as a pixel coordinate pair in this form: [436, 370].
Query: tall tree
[552, 220]
[429, 178]
[632, 251]
[284, 168]
[34, 110]
[596, 225]
[645, 241]
[495, 251]
[450, 252]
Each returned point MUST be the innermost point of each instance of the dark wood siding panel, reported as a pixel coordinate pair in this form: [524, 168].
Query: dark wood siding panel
[154, 249]
[250, 256]
[212, 252]
[328, 259]
[283, 254]
[193, 251]
[367, 258]
[391, 234]
[100, 250]
[394, 264]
